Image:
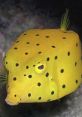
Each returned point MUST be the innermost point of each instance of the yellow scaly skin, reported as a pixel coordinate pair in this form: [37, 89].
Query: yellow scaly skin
[43, 65]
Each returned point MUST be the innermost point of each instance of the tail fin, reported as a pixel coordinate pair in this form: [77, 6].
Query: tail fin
[3, 73]
[3, 76]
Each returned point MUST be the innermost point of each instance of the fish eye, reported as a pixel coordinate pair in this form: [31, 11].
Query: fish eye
[40, 67]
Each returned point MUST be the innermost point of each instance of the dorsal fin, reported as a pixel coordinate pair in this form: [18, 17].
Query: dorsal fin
[65, 21]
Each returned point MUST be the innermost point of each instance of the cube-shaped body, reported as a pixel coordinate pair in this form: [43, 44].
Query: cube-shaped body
[43, 65]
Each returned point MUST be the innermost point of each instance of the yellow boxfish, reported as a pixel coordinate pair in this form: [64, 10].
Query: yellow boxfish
[43, 65]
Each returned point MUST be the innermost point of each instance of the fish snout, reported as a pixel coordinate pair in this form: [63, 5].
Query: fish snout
[12, 100]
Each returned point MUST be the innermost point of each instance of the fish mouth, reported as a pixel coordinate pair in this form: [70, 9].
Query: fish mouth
[11, 103]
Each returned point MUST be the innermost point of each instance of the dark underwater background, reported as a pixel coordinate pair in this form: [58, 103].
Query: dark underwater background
[15, 17]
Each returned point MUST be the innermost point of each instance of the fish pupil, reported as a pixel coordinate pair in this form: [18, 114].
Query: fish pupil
[41, 67]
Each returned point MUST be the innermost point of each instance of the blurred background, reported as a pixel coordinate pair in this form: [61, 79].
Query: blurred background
[15, 17]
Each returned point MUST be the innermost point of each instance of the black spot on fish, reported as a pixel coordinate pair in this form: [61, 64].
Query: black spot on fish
[62, 70]
[52, 92]
[63, 86]
[17, 64]
[27, 42]
[37, 44]
[24, 74]
[15, 95]
[47, 36]
[27, 67]
[76, 81]
[29, 76]
[26, 53]
[48, 59]
[38, 84]
[39, 52]
[63, 37]
[47, 74]
[68, 53]
[15, 48]
[6, 62]
[39, 98]
[37, 35]
[29, 94]
[56, 57]
[25, 34]
[17, 41]
[33, 65]
[14, 78]
[53, 46]
[76, 44]
[75, 63]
